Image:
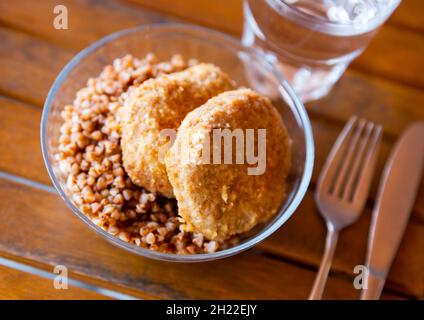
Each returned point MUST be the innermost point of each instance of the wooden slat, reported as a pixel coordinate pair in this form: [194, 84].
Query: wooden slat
[88, 20]
[46, 62]
[40, 219]
[392, 105]
[218, 14]
[18, 285]
[409, 15]
[19, 132]
[28, 67]
[395, 54]
[302, 239]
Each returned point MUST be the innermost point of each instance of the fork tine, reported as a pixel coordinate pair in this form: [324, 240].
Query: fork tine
[344, 172]
[357, 163]
[360, 193]
[333, 162]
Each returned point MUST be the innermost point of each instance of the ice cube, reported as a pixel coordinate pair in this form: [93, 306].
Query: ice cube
[355, 11]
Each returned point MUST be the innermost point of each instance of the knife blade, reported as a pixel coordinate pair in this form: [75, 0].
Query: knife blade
[396, 196]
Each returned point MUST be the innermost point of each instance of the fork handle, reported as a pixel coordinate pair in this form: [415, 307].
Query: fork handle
[324, 269]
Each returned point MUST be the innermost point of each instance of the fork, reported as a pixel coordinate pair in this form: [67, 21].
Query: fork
[343, 186]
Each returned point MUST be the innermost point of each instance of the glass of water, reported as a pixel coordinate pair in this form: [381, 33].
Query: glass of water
[313, 41]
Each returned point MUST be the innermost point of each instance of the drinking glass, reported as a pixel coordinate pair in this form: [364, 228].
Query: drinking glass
[313, 41]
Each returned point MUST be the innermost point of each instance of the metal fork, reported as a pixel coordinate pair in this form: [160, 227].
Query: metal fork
[343, 186]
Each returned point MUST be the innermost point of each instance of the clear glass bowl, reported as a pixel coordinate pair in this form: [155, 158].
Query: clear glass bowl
[245, 65]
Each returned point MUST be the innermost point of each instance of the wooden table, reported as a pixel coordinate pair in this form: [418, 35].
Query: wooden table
[384, 85]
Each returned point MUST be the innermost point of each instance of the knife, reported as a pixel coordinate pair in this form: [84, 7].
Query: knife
[396, 195]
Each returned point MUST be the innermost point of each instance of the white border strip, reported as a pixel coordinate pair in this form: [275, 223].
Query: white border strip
[41, 273]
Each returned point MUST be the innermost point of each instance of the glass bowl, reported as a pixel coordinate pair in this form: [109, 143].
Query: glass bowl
[245, 65]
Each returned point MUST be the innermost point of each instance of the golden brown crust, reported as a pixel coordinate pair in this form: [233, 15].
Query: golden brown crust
[158, 104]
[220, 200]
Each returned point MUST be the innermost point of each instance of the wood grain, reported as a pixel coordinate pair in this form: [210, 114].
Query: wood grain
[18, 285]
[384, 102]
[19, 136]
[223, 15]
[300, 240]
[28, 66]
[409, 15]
[402, 64]
[33, 230]
[33, 53]
[89, 20]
